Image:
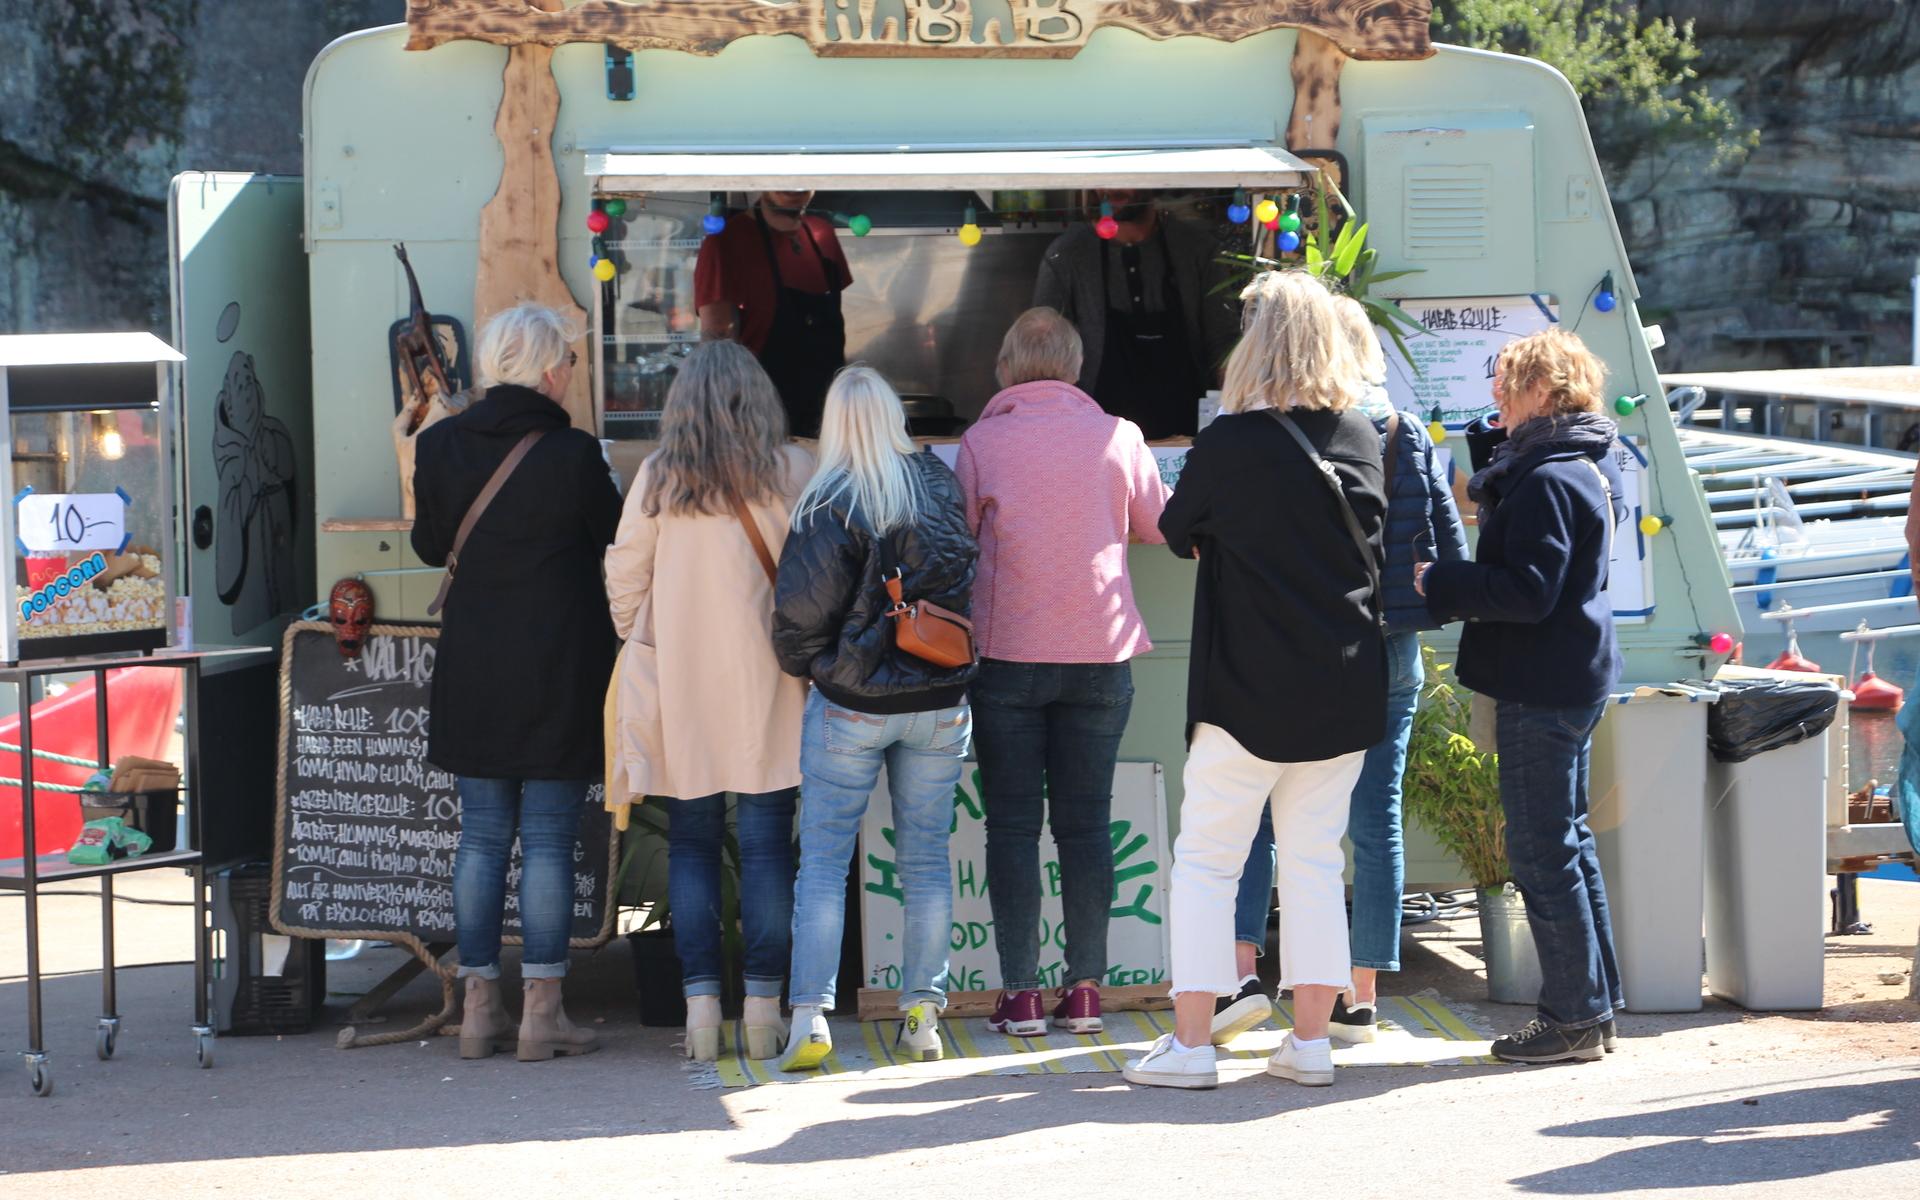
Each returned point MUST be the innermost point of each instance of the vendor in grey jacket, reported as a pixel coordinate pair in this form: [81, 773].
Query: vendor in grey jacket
[1423, 526]
[1154, 334]
[1540, 643]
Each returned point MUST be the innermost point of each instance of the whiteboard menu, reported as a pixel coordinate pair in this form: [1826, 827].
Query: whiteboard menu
[1137, 926]
[1448, 371]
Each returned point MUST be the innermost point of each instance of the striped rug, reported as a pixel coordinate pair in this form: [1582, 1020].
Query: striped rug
[1415, 1031]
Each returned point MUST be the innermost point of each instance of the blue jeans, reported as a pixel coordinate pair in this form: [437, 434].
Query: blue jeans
[841, 753]
[1543, 789]
[1047, 736]
[1373, 827]
[546, 812]
[696, 833]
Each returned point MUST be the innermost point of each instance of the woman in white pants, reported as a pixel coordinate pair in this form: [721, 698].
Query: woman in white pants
[1281, 502]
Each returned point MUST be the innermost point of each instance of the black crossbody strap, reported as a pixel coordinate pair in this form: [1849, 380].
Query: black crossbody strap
[1352, 519]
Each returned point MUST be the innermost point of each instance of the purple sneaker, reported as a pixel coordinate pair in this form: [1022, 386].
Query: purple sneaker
[1079, 1010]
[1020, 1014]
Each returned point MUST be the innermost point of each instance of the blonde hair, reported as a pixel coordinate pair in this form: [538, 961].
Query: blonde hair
[1041, 344]
[1292, 352]
[720, 435]
[863, 454]
[1559, 362]
[519, 345]
[1358, 327]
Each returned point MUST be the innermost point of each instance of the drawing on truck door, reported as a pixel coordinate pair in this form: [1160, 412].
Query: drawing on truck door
[254, 531]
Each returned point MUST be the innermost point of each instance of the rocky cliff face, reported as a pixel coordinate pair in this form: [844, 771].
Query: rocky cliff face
[102, 102]
[1819, 229]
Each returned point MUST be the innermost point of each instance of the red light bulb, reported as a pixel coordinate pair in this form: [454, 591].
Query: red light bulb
[1721, 643]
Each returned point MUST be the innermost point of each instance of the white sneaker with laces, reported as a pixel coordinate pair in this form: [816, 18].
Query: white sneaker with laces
[1309, 1066]
[1167, 1065]
[920, 1034]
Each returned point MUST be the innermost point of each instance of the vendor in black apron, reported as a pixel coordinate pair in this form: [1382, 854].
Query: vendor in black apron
[772, 279]
[1149, 344]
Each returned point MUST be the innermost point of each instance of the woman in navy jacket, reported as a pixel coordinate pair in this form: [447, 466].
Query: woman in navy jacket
[1539, 642]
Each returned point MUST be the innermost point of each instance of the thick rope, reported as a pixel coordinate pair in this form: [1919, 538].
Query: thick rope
[50, 756]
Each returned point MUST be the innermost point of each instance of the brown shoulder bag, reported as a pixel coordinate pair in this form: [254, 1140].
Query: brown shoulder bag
[925, 630]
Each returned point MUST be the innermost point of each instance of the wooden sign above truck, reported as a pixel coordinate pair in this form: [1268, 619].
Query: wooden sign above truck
[1364, 29]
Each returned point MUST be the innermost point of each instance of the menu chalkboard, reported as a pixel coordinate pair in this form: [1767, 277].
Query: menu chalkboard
[365, 829]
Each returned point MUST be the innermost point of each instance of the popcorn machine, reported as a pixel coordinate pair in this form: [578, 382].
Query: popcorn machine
[90, 525]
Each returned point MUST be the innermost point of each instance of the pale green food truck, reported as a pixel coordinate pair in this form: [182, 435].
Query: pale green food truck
[465, 138]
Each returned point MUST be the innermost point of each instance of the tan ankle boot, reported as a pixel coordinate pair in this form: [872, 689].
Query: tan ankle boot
[703, 1028]
[544, 1028]
[766, 1032]
[484, 1024]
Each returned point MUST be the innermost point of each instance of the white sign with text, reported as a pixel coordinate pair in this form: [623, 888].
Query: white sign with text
[1454, 358]
[1137, 928]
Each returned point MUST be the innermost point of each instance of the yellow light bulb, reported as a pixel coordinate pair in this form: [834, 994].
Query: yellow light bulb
[1266, 211]
[1651, 525]
[1438, 432]
[969, 235]
[603, 270]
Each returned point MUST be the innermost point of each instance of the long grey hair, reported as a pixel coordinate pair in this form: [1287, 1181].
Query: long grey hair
[720, 436]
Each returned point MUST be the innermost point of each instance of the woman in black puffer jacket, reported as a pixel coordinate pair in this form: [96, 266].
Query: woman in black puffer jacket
[874, 507]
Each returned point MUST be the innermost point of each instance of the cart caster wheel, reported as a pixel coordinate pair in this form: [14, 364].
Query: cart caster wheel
[203, 1050]
[42, 1078]
[103, 1041]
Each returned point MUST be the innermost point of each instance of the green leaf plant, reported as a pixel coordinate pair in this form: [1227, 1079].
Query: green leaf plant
[1451, 787]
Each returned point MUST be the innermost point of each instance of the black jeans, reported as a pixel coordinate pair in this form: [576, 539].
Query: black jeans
[1047, 736]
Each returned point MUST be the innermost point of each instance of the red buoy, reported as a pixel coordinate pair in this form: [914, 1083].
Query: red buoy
[1791, 660]
[1874, 694]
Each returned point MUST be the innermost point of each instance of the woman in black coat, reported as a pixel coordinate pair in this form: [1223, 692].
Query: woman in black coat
[525, 653]
[1287, 685]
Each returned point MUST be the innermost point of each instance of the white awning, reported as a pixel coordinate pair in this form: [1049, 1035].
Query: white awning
[1255, 167]
[62, 349]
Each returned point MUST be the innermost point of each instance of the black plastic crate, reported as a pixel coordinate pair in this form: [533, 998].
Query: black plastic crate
[247, 1000]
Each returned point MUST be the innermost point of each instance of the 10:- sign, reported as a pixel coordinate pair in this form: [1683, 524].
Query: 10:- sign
[58, 522]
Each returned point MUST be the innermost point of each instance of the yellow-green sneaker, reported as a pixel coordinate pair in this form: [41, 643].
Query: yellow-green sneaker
[810, 1042]
[920, 1034]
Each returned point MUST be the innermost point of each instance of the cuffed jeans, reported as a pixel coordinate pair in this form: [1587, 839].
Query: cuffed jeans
[1047, 736]
[841, 753]
[546, 813]
[1374, 828]
[1543, 789]
[1226, 789]
[696, 833]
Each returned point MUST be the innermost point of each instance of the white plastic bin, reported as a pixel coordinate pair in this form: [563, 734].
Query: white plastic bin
[1646, 796]
[1767, 875]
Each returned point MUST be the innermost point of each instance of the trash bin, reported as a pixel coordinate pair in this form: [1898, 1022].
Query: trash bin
[1648, 813]
[1766, 908]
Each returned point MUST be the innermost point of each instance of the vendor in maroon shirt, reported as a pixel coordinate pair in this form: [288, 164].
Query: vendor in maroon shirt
[772, 279]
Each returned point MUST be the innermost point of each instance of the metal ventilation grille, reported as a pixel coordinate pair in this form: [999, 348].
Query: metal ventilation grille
[1447, 214]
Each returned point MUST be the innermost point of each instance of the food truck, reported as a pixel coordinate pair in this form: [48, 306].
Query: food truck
[573, 156]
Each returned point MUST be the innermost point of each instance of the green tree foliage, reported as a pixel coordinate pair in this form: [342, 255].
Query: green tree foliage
[1636, 78]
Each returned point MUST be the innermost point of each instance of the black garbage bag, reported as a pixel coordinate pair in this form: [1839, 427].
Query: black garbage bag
[1754, 716]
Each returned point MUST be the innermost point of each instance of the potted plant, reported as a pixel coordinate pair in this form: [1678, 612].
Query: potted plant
[1452, 789]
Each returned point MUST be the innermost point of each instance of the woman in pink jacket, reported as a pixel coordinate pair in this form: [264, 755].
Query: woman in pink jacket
[1055, 489]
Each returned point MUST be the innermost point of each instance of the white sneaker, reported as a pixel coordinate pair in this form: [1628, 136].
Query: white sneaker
[1309, 1066]
[920, 1034]
[1168, 1066]
[810, 1042]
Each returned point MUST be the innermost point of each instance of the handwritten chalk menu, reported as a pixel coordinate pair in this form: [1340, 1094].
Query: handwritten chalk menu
[366, 830]
[1137, 925]
[1454, 380]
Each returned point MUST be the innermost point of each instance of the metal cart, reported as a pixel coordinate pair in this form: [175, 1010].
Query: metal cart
[30, 873]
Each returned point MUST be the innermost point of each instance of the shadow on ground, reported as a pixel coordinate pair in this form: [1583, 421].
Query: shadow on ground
[1799, 1134]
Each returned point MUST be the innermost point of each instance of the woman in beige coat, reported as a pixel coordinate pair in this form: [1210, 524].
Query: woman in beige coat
[704, 708]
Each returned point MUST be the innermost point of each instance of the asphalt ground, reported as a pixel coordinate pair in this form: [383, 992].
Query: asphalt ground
[1714, 1102]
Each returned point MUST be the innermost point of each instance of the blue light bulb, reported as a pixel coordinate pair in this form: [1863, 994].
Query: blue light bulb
[1239, 214]
[713, 223]
[1605, 302]
[1289, 241]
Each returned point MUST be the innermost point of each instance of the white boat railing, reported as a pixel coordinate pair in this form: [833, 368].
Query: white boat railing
[1796, 614]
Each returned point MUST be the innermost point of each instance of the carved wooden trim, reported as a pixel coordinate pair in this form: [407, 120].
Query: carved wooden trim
[1365, 29]
[520, 226]
[1316, 94]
